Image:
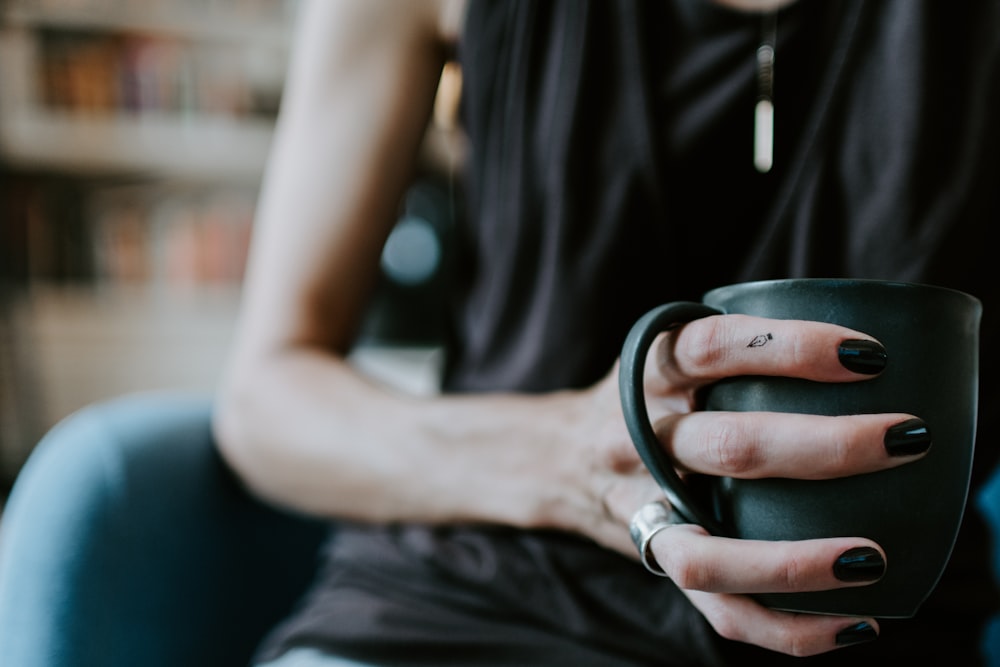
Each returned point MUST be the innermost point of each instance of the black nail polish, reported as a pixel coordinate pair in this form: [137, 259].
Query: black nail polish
[862, 356]
[859, 564]
[908, 438]
[856, 634]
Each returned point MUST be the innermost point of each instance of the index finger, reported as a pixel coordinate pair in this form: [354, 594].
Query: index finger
[719, 346]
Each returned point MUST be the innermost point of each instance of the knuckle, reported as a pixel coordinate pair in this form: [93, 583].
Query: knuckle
[842, 452]
[797, 645]
[843, 446]
[791, 638]
[729, 449]
[617, 454]
[704, 348]
[727, 624]
[792, 573]
[785, 637]
[685, 568]
[684, 574]
[801, 352]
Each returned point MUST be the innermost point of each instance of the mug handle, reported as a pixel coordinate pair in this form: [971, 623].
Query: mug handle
[633, 399]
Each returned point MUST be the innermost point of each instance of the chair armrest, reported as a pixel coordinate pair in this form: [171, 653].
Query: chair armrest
[127, 541]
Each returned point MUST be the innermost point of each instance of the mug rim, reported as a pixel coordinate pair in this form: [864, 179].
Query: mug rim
[848, 282]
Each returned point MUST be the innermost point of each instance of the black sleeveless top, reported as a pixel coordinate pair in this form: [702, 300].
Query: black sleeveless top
[611, 170]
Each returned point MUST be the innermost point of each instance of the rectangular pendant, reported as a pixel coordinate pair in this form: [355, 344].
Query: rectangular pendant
[763, 136]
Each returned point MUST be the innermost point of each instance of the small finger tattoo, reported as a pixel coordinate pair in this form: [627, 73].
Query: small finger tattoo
[760, 340]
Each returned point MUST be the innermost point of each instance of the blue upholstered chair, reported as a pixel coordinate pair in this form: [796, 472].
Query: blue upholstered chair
[126, 542]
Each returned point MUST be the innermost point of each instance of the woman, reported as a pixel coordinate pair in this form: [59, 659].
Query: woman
[611, 168]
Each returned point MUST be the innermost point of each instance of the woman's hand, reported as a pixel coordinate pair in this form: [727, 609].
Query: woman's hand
[717, 573]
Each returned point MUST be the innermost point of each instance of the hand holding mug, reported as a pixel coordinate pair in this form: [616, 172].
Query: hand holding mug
[811, 466]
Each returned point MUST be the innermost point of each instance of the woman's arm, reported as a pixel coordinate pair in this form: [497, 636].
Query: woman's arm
[296, 422]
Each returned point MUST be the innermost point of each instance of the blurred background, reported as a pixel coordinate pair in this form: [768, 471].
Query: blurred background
[133, 135]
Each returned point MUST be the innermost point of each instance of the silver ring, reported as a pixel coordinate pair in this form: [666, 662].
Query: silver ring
[649, 520]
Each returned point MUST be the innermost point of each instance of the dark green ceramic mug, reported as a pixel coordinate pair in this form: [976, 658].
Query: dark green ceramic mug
[914, 511]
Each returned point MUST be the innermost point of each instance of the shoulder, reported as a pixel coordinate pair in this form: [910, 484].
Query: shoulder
[451, 19]
[377, 20]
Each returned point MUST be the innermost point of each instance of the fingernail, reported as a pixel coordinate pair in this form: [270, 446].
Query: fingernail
[862, 356]
[859, 564]
[908, 438]
[858, 633]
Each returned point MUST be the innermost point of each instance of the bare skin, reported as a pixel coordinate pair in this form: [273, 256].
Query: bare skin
[305, 430]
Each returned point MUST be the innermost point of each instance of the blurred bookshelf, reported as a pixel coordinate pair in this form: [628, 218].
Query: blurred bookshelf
[133, 135]
[186, 88]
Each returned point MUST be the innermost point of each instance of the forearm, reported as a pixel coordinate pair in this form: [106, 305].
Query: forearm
[305, 430]
[298, 424]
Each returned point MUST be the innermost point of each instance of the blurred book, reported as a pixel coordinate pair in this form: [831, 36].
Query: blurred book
[102, 72]
[171, 237]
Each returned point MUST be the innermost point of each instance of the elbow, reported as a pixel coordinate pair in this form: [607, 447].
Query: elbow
[232, 428]
[226, 428]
